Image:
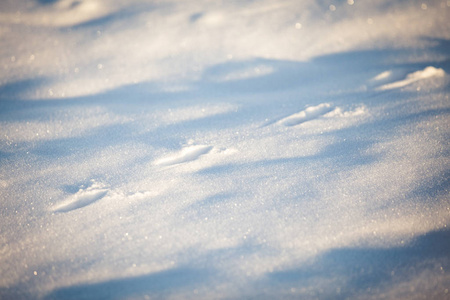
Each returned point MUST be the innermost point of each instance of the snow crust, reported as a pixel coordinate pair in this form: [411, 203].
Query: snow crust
[224, 149]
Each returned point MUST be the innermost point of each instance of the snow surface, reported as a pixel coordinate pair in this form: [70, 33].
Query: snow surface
[224, 149]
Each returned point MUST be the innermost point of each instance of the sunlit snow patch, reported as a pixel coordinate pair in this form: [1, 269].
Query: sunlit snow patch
[428, 72]
[83, 197]
[257, 71]
[243, 73]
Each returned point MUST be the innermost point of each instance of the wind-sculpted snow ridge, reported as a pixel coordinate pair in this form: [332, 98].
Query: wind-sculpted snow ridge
[308, 114]
[84, 197]
[428, 72]
[187, 154]
[323, 112]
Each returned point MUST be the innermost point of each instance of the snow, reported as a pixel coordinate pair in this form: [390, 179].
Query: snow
[221, 149]
[82, 198]
[308, 114]
[428, 72]
[185, 155]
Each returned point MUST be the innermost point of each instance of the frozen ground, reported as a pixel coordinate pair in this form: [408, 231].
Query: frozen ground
[224, 149]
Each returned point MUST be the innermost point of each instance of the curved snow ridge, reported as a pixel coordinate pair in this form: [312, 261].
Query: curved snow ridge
[382, 76]
[82, 198]
[308, 114]
[428, 72]
[186, 154]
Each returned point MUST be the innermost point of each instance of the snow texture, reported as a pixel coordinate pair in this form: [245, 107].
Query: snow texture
[224, 149]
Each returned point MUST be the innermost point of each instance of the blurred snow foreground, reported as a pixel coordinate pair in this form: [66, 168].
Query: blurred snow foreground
[224, 149]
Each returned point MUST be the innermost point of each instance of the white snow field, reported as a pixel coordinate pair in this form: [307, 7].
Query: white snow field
[205, 149]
